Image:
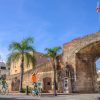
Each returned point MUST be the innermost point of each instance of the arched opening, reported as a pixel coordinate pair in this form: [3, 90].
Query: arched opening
[86, 73]
[98, 63]
[98, 73]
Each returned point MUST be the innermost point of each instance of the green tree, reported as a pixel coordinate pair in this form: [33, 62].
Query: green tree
[53, 53]
[21, 51]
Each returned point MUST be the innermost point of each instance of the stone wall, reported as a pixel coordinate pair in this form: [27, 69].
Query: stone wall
[40, 59]
[84, 69]
[43, 71]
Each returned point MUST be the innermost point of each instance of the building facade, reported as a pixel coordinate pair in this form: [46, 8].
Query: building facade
[4, 70]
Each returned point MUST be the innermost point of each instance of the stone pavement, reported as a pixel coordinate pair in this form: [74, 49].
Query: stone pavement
[50, 97]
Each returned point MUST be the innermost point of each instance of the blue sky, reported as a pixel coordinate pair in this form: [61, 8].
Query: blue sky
[50, 22]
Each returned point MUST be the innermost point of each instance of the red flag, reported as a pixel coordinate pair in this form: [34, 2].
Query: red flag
[98, 7]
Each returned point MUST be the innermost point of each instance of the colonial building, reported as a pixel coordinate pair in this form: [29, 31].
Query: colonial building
[14, 78]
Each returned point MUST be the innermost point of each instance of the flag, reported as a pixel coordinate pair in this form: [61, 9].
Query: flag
[98, 7]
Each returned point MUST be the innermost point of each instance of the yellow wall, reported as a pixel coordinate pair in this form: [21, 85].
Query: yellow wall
[15, 67]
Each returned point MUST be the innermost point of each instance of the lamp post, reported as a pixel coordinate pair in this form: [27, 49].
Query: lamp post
[27, 82]
[27, 90]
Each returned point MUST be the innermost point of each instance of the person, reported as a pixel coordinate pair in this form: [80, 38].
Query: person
[35, 90]
[40, 91]
[4, 85]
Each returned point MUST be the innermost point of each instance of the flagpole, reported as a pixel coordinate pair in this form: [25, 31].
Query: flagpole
[98, 10]
[99, 16]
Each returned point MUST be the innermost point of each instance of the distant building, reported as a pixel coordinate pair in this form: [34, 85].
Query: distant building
[4, 71]
[98, 75]
[98, 79]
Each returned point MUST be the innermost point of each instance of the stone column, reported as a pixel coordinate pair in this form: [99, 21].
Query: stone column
[85, 74]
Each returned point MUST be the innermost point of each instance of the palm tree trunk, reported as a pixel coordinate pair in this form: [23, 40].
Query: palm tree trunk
[21, 74]
[55, 85]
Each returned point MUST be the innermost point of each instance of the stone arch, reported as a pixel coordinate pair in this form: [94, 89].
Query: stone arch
[86, 67]
[82, 53]
[70, 49]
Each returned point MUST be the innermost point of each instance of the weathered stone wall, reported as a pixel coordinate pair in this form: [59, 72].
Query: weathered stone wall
[84, 70]
[43, 71]
[15, 65]
[85, 75]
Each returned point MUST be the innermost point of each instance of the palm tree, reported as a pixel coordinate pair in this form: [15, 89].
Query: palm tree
[52, 53]
[21, 51]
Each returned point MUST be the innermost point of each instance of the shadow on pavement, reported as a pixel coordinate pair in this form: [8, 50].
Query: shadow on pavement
[16, 99]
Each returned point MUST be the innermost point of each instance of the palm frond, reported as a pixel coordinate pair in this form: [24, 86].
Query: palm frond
[30, 49]
[8, 61]
[29, 58]
[56, 49]
[26, 43]
[28, 40]
[15, 46]
[15, 56]
[52, 52]
[23, 47]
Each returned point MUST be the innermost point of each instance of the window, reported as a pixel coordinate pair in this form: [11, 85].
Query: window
[2, 67]
[15, 71]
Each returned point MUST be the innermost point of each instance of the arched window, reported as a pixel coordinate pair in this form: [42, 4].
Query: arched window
[69, 72]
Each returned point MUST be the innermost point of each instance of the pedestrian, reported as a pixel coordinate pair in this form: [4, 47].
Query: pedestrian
[40, 91]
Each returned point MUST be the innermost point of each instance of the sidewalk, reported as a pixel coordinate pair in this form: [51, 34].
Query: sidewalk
[42, 94]
[14, 93]
[59, 97]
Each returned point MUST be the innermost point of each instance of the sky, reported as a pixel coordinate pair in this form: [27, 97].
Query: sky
[50, 22]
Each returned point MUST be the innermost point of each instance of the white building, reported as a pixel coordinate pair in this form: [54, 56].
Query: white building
[98, 75]
[3, 69]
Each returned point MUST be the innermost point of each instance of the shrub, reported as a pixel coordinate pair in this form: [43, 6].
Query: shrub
[29, 90]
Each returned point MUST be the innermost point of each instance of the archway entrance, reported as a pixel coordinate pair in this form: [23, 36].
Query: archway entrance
[98, 74]
[15, 84]
[86, 67]
[98, 64]
[47, 84]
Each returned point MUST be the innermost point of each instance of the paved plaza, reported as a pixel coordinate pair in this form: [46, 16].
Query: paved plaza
[59, 97]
